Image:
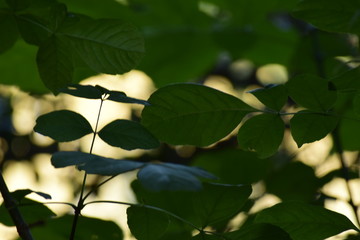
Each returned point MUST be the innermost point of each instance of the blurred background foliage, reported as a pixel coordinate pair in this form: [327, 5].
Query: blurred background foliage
[231, 45]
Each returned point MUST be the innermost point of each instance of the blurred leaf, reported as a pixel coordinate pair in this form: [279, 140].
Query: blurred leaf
[258, 231]
[63, 125]
[217, 202]
[93, 164]
[55, 63]
[87, 228]
[121, 97]
[332, 16]
[172, 177]
[203, 236]
[83, 91]
[128, 135]
[107, 45]
[272, 96]
[311, 92]
[192, 114]
[262, 133]
[33, 212]
[295, 181]
[307, 127]
[304, 221]
[21, 193]
[347, 81]
[241, 167]
[145, 223]
[8, 26]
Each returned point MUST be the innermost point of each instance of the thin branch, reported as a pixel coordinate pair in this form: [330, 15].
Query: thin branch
[10, 204]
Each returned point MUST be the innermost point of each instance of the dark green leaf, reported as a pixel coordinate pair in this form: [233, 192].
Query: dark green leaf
[294, 181]
[258, 232]
[347, 81]
[333, 16]
[204, 236]
[307, 127]
[9, 29]
[106, 45]
[192, 114]
[87, 228]
[303, 221]
[121, 97]
[54, 63]
[63, 125]
[18, 5]
[33, 29]
[93, 164]
[83, 91]
[272, 96]
[145, 223]
[33, 212]
[241, 167]
[21, 193]
[262, 133]
[128, 135]
[171, 177]
[217, 202]
[311, 92]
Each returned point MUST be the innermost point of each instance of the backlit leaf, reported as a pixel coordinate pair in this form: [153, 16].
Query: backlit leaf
[307, 127]
[262, 133]
[192, 114]
[311, 92]
[272, 96]
[128, 135]
[63, 125]
[145, 223]
[217, 202]
[107, 45]
[303, 221]
[121, 97]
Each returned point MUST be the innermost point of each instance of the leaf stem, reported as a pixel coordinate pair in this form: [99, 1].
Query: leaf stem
[81, 204]
[345, 172]
[10, 204]
[97, 186]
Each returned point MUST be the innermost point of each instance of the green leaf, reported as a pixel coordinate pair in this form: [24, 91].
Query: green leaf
[121, 97]
[311, 92]
[171, 177]
[54, 63]
[332, 16]
[83, 91]
[304, 221]
[93, 164]
[8, 26]
[347, 81]
[294, 181]
[204, 236]
[217, 202]
[128, 135]
[33, 212]
[145, 223]
[87, 228]
[192, 114]
[262, 133]
[63, 125]
[307, 127]
[272, 96]
[259, 231]
[107, 45]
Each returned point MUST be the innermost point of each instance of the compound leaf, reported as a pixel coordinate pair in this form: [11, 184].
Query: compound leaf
[192, 114]
[63, 125]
